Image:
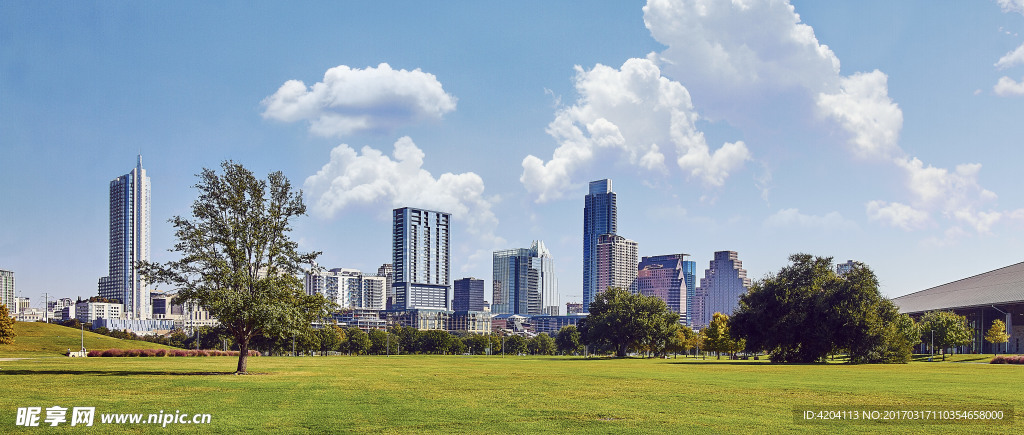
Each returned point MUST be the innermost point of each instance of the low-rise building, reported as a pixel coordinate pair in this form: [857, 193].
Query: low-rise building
[87, 312]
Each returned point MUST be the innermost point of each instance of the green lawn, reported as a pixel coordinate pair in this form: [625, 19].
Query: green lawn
[412, 394]
[37, 339]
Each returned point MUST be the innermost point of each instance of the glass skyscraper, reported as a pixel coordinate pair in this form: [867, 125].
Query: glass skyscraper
[599, 217]
[469, 295]
[420, 252]
[724, 282]
[524, 281]
[664, 276]
[129, 243]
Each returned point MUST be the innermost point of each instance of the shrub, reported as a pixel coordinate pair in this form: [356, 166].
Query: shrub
[1008, 359]
[160, 352]
[113, 352]
[95, 353]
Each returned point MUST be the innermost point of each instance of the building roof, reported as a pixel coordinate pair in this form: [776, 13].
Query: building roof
[1000, 286]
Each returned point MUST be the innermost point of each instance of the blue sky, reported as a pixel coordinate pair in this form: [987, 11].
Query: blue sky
[885, 132]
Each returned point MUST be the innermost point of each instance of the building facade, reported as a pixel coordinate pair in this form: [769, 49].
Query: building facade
[387, 271]
[129, 243]
[468, 295]
[664, 277]
[724, 282]
[420, 253]
[616, 263]
[599, 217]
[524, 281]
[348, 288]
[690, 278]
[574, 308]
[844, 268]
[87, 312]
[7, 297]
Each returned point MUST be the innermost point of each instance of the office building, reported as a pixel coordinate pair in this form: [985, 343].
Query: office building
[388, 272]
[599, 217]
[87, 312]
[690, 279]
[420, 252]
[844, 268]
[574, 308]
[724, 282]
[23, 304]
[129, 243]
[7, 297]
[664, 277]
[524, 281]
[616, 263]
[468, 295]
[374, 293]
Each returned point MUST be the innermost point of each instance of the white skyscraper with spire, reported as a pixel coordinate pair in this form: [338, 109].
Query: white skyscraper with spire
[129, 243]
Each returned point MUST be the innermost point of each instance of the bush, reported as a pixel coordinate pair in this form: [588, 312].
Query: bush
[1008, 359]
[95, 353]
[161, 352]
[112, 353]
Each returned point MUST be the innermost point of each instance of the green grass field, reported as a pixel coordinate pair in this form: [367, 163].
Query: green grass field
[460, 394]
[47, 340]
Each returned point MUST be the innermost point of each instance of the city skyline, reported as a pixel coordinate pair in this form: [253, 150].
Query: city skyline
[854, 130]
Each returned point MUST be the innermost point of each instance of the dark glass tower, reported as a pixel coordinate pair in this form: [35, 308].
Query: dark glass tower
[599, 217]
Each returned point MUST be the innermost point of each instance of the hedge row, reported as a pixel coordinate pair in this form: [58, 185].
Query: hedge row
[1008, 359]
[166, 352]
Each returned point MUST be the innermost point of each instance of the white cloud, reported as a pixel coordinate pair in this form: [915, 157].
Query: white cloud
[351, 178]
[349, 100]
[1012, 6]
[1007, 87]
[739, 47]
[636, 112]
[745, 60]
[897, 215]
[1012, 58]
[864, 108]
[956, 194]
[792, 217]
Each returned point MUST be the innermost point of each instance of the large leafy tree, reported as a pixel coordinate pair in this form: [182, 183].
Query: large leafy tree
[568, 341]
[807, 311]
[542, 344]
[7, 332]
[997, 334]
[620, 321]
[949, 329]
[237, 261]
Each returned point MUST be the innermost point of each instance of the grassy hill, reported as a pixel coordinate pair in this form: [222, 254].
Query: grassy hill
[42, 339]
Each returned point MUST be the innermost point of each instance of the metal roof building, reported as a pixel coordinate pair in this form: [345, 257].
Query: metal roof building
[998, 294]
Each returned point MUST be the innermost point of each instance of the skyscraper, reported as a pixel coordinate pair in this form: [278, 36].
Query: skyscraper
[724, 282]
[524, 281]
[599, 217]
[420, 251]
[664, 277]
[129, 243]
[468, 295]
[7, 291]
[616, 263]
[690, 277]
